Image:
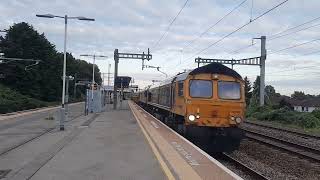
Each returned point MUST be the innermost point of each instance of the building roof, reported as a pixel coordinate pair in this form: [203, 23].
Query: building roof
[310, 102]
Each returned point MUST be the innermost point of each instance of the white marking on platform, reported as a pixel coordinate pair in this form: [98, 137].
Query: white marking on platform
[185, 154]
[224, 168]
[83, 126]
[155, 125]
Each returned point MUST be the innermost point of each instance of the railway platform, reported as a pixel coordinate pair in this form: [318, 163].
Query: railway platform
[127, 143]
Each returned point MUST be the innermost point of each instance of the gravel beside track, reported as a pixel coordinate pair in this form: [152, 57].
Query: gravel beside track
[274, 163]
[294, 148]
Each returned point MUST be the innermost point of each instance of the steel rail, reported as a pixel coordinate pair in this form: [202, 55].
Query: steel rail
[291, 147]
[254, 174]
[46, 131]
[283, 129]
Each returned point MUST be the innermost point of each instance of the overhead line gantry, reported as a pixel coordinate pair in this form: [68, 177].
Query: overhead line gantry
[256, 61]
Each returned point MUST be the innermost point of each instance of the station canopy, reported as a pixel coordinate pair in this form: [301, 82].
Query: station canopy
[124, 80]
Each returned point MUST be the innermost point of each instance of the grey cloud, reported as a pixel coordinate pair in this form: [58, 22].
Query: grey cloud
[135, 25]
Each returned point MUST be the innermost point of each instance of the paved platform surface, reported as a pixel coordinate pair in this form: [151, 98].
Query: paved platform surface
[127, 143]
[109, 145]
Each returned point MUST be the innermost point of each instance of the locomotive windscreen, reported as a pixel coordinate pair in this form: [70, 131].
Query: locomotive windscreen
[201, 88]
[228, 90]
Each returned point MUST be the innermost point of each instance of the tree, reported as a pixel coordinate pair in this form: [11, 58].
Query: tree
[299, 95]
[22, 41]
[272, 97]
[44, 80]
[254, 101]
[247, 89]
[284, 103]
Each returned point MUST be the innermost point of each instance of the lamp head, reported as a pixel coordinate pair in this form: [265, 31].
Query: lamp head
[45, 15]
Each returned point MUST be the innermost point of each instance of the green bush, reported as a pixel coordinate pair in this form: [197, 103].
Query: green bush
[11, 101]
[285, 116]
[252, 110]
[307, 120]
[316, 113]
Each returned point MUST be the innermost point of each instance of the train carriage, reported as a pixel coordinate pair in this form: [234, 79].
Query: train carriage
[206, 105]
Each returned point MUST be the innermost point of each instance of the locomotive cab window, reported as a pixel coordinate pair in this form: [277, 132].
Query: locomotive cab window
[200, 88]
[229, 90]
[180, 88]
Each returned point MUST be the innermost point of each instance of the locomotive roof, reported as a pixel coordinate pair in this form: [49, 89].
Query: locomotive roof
[216, 68]
[212, 68]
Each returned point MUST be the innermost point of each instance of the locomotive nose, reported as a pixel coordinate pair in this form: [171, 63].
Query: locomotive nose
[214, 115]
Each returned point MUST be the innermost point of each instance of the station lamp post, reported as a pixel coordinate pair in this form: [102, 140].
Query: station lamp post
[94, 60]
[66, 17]
[93, 68]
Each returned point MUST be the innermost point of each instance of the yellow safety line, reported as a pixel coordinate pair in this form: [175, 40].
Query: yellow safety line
[164, 166]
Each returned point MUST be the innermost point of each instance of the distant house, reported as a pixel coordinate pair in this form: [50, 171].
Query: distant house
[306, 105]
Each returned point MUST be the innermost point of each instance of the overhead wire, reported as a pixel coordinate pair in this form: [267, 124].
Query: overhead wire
[168, 28]
[272, 38]
[294, 46]
[294, 69]
[286, 30]
[215, 24]
[299, 74]
[241, 27]
[306, 67]
[238, 29]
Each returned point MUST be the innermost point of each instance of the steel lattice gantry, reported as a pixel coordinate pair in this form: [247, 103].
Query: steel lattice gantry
[118, 56]
[256, 61]
[248, 61]
[134, 56]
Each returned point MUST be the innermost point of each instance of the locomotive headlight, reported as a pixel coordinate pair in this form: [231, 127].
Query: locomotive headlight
[238, 120]
[233, 118]
[192, 117]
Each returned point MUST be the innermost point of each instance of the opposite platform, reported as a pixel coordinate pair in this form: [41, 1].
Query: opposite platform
[112, 146]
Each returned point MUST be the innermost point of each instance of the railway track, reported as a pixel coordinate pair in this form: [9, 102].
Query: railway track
[291, 147]
[304, 135]
[244, 168]
[46, 131]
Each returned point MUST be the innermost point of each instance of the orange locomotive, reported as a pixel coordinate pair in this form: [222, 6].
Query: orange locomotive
[206, 105]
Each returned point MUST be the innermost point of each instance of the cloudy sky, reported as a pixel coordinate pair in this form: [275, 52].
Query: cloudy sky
[134, 25]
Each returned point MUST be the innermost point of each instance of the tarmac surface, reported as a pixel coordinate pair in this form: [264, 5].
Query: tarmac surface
[108, 145]
[21, 127]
